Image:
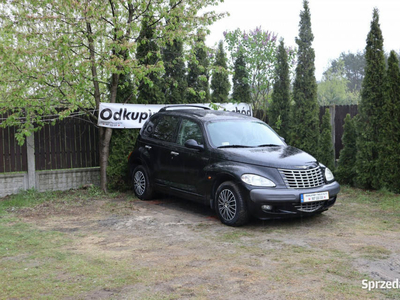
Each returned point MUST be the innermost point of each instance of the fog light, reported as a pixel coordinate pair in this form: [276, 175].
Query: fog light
[267, 207]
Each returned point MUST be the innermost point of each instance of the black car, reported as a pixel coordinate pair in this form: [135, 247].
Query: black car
[235, 163]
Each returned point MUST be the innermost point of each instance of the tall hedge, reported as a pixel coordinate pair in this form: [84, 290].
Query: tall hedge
[174, 79]
[241, 88]
[148, 52]
[198, 76]
[305, 129]
[369, 118]
[279, 110]
[345, 172]
[325, 145]
[220, 84]
[389, 155]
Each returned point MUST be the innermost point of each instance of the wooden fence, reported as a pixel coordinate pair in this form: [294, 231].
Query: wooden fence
[13, 158]
[73, 143]
[338, 113]
[70, 143]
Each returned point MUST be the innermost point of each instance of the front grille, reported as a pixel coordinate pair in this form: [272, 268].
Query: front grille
[310, 207]
[302, 179]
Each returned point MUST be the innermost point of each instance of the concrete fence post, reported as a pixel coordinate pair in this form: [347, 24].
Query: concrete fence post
[30, 143]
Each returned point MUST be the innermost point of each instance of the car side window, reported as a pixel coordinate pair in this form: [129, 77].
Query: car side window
[165, 129]
[147, 129]
[189, 130]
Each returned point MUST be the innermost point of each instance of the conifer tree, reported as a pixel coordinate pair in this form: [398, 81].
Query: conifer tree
[241, 88]
[279, 110]
[175, 81]
[220, 80]
[148, 52]
[345, 172]
[305, 129]
[198, 77]
[389, 155]
[369, 118]
[325, 145]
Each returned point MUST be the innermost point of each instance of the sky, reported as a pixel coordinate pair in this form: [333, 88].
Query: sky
[338, 25]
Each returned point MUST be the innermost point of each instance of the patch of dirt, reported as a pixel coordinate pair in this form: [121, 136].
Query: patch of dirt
[180, 250]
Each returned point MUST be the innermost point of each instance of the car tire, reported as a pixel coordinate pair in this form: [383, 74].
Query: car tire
[142, 186]
[230, 206]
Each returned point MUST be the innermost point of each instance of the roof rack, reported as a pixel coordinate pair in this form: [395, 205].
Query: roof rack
[187, 106]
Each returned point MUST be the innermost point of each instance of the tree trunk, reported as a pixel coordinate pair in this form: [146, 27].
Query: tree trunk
[104, 151]
[104, 133]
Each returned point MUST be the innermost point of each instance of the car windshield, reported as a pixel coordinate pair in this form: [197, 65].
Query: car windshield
[246, 133]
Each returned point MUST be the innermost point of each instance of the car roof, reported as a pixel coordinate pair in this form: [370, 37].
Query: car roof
[208, 114]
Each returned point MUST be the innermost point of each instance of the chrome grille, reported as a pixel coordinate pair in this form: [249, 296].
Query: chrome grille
[302, 179]
[310, 207]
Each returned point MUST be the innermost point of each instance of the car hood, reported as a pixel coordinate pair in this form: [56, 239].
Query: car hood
[275, 157]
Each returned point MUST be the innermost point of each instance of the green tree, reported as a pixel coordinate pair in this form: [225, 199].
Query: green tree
[175, 81]
[326, 153]
[198, 76]
[305, 129]
[57, 57]
[259, 49]
[369, 118]
[345, 171]
[333, 89]
[351, 66]
[279, 110]
[220, 79]
[148, 54]
[389, 155]
[241, 88]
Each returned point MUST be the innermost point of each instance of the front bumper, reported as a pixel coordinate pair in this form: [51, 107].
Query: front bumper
[286, 202]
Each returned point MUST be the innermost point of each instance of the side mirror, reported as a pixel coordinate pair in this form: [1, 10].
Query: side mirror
[282, 138]
[192, 144]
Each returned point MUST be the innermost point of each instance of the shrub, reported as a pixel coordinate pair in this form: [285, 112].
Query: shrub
[345, 172]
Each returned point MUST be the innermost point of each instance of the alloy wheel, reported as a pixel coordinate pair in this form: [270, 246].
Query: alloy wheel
[139, 183]
[227, 204]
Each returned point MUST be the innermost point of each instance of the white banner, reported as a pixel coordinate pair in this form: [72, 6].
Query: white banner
[118, 115]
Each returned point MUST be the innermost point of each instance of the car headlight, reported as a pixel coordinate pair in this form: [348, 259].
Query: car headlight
[329, 175]
[257, 180]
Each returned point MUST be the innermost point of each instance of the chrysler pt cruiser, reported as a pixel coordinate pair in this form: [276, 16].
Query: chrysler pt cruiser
[234, 163]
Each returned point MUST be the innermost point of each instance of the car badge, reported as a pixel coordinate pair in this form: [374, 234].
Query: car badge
[302, 167]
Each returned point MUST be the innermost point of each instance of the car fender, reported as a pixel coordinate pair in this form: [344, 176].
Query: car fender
[140, 156]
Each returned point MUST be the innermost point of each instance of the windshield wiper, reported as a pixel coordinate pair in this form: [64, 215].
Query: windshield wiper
[234, 146]
[269, 145]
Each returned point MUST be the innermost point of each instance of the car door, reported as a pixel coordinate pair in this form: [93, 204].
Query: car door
[189, 162]
[161, 143]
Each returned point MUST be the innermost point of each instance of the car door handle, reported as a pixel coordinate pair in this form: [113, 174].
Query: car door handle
[148, 147]
[174, 153]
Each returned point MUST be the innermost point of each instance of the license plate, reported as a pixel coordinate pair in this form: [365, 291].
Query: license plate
[314, 197]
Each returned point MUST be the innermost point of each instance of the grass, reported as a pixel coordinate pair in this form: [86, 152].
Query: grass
[382, 200]
[27, 198]
[37, 264]
[234, 236]
[31, 198]
[373, 252]
[37, 267]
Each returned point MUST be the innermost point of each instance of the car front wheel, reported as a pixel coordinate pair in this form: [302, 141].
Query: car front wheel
[141, 183]
[230, 206]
